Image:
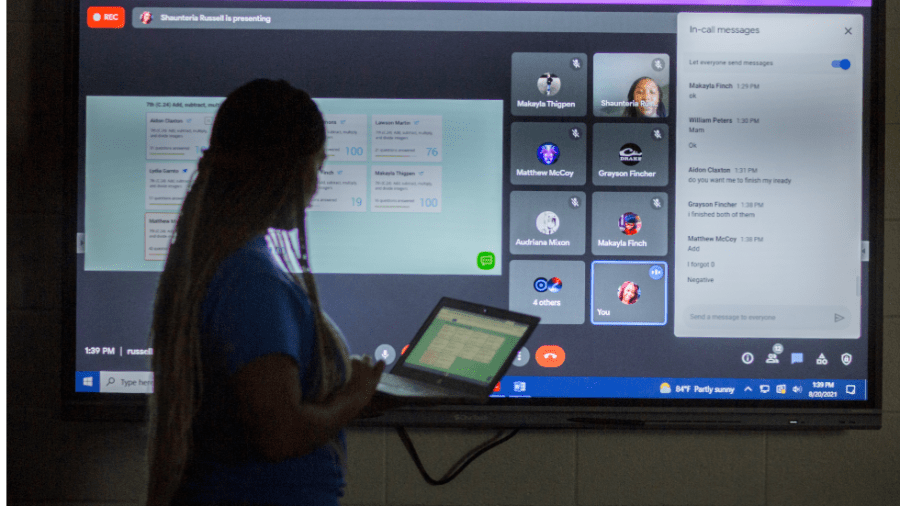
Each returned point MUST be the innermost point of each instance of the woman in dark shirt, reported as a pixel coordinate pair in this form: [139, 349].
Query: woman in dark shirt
[253, 383]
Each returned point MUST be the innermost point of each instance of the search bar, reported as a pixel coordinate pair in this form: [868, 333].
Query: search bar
[126, 382]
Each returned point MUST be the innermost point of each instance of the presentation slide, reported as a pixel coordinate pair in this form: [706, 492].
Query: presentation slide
[412, 186]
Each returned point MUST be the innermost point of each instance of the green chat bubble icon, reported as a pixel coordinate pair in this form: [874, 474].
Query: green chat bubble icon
[486, 260]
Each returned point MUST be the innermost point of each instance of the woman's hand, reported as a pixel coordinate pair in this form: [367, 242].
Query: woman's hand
[364, 376]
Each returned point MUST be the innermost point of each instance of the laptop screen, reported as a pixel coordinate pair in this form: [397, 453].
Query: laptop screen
[466, 345]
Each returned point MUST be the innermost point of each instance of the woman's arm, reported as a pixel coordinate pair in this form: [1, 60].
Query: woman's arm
[279, 425]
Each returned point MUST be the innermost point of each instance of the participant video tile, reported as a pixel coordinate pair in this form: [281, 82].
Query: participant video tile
[547, 223]
[549, 84]
[629, 224]
[631, 154]
[548, 153]
[551, 289]
[631, 85]
[629, 293]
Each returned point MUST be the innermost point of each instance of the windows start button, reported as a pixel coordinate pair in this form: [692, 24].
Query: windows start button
[106, 17]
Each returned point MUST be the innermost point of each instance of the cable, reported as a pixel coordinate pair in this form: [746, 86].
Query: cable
[461, 464]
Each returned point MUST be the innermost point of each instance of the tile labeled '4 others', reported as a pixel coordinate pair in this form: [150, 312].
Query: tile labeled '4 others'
[550, 289]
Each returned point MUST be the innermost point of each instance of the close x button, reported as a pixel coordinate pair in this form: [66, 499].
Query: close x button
[106, 17]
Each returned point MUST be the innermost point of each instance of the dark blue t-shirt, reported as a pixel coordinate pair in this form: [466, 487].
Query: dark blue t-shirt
[254, 308]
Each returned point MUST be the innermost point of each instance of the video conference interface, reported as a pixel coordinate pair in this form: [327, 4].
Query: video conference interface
[652, 184]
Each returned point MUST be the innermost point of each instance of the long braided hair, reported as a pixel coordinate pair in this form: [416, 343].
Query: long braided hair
[258, 173]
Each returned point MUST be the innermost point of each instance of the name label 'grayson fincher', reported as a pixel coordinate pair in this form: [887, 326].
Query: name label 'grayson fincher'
[630, 173]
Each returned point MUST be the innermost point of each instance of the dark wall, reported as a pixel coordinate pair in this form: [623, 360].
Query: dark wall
[55, 462]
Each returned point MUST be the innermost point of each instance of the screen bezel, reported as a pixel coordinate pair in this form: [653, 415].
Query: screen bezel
[544, 412]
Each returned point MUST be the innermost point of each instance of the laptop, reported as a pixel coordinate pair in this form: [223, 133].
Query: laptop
[459, 354]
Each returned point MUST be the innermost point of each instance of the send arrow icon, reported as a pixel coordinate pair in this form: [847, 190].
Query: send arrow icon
[837, 317]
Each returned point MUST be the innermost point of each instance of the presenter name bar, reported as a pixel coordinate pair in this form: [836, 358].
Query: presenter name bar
[211, 18]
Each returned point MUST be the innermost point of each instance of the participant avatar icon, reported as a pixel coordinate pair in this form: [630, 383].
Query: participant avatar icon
[542, 285]
[646, 100]
[548, 153]
[630, 154]
[146, 17]
[547, 222]
[629, 293]
[548, 84]
[555, 285]
[630, 223]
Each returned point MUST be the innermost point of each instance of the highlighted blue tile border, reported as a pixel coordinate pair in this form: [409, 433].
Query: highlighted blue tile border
[649, 263]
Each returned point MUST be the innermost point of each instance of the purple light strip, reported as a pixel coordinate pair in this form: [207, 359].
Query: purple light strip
[742, 3]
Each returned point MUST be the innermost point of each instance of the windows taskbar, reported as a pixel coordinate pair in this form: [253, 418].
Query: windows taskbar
[141, 382]
[682, 388]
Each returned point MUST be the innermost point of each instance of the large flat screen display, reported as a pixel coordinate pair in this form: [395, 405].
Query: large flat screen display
[688, 194]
